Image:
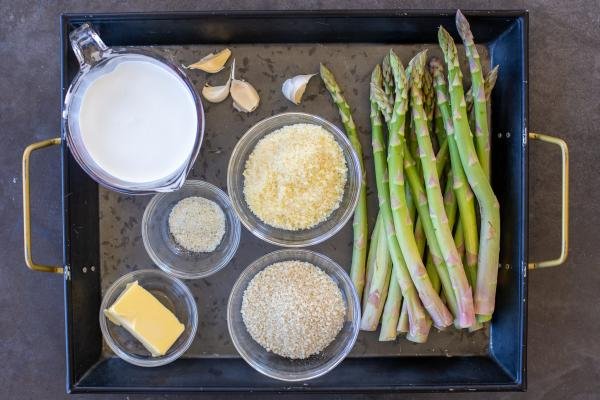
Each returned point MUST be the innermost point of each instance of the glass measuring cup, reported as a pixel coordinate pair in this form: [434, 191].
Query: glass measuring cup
[97, 60]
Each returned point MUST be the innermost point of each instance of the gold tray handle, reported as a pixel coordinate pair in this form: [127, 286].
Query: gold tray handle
[26, 211]
[564, 247]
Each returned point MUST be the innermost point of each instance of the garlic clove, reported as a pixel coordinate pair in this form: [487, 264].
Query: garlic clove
[212, 63]
[244, 95]
[216, 94]
[294, 88]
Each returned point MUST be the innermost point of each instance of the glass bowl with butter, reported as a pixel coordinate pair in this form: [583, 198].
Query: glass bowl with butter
[148, 318]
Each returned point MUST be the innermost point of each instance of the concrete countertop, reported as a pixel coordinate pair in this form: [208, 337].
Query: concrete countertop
[564, 71]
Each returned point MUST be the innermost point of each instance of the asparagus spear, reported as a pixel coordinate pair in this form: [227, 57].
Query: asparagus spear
[489, 245]
[403, 320]
[438, 126]
[359, 224]
[419, 325]
[391, 311]
[462, 290]
[402, 222]
[489, 83]
[420, 238]
[451, 208]
[459, 240]
[388, 78]
[371, 258]
[429, 103]
[464, 194]
[441, 158]
[418, 191]
[482, 132]
[378, 286]
[421, 242]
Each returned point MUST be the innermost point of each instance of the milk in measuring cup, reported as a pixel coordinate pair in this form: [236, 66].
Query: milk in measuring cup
[138, 122]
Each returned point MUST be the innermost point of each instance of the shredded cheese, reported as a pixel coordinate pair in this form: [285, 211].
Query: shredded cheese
[295, 177]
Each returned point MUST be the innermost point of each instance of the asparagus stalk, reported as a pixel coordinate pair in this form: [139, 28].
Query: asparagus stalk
[418, 190]
[391, 311]
[379, 285]
[403, 320]
[450, 200]
[429, 103]
[464, 194]
[441, 158]
[420, 238]
[489, 244]
[433, 275]
[438, 126]
[371, 258]
[489, 83]
[359, 224]
[482, 131]
[450, 204]
[459, 240]
[419, 324]
[402, 221]
[462, 290]
[450, 207]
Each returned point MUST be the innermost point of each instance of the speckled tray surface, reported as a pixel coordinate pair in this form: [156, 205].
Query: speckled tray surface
[266, 67]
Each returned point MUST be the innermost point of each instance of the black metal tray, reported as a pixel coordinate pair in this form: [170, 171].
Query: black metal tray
[350, 43]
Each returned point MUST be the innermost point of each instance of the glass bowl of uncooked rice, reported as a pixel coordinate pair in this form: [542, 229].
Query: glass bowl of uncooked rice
[193, 232]
[293, 315]
[294, 179]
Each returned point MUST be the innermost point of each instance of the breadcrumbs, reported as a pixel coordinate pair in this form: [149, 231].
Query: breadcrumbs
[293, 309]
[197, 224]
[295, 177]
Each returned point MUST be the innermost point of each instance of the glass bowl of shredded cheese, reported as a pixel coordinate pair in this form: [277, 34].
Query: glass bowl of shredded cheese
[294, 179]
[193, 232]
[289, 302]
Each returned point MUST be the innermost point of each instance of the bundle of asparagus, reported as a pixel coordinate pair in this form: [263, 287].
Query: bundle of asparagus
[429, 261]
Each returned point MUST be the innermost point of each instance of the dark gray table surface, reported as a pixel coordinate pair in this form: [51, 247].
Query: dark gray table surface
[564, 87]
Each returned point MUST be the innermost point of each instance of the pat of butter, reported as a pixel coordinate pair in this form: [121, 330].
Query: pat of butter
[150, 322]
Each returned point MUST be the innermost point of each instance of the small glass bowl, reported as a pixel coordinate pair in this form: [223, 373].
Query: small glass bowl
[173, 294]
[283, 237]
[168, 254]
[283, 368]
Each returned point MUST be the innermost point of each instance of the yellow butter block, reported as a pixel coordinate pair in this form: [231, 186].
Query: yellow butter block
[150, 322]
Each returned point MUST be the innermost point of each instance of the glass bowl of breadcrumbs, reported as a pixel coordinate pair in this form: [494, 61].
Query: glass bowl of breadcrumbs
[294, 179]
[293, 315]
[191, 233]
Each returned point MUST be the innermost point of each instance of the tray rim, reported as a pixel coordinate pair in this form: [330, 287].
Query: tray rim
[519, 384]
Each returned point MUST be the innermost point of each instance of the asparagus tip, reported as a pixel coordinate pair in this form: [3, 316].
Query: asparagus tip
[464, 30]
[444, 37]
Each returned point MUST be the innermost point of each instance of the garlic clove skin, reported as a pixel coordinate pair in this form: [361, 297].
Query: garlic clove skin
[212, 63]
[216, 94]
[245, 97]
[293, 88]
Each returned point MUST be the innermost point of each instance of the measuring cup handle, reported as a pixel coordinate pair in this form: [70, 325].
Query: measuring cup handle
[87, 46]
